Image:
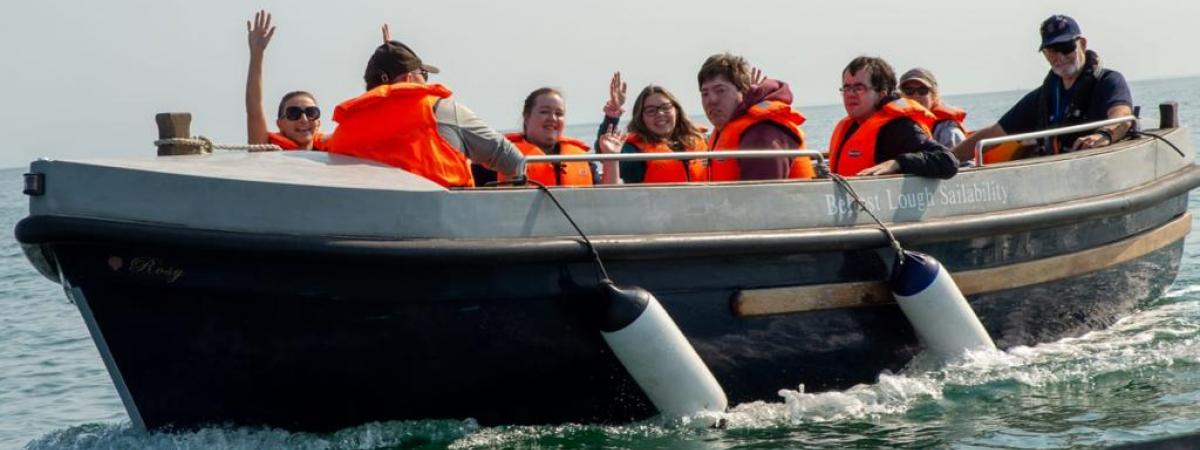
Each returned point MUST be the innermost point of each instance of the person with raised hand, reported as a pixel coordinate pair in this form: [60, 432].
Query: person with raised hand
[298, 118]
[658, 125]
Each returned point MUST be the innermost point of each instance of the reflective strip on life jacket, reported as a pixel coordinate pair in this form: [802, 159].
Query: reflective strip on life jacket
[671, 170]
[572, 173]
[287, 144]
[849, 156]
[395, 124]
[729, 138]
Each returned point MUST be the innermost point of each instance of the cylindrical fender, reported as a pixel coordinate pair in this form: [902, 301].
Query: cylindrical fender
[657, 355]
[939, 313]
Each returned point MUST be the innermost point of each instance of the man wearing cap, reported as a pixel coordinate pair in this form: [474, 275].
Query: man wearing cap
[1077, 90]
[883, 133]
[404, 121]
[919, 85]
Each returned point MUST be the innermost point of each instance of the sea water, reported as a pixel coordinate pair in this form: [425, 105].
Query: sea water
[1135, 381]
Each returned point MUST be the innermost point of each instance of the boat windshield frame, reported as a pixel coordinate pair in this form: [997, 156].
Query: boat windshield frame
[1047, 133]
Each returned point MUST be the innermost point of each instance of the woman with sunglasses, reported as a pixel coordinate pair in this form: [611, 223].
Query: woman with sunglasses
[919, 85]
[298, 117]
[658, 125]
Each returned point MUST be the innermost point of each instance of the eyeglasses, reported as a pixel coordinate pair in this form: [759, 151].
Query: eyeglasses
[856, 88]
[1062, 48]
[424, 73]
[664, 109]
[294, 112]
[915, 90]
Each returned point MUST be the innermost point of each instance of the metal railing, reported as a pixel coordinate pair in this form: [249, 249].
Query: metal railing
[821, 166]
[1045, 133]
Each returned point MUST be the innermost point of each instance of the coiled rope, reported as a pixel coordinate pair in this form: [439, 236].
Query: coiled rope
[208, 145]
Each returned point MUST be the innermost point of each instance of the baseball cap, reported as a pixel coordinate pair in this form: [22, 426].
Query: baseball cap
[921, 75]
[1057, 29]
[395, 57]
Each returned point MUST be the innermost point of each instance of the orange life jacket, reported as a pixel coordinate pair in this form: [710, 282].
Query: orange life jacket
[395, 124]
[849, 156]
[948, 113]
[287, 143]
[729, 138]
[671, 170]
[573, 173]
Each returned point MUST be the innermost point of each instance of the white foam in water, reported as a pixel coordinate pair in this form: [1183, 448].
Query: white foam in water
[1158, 337]
[1182, 291]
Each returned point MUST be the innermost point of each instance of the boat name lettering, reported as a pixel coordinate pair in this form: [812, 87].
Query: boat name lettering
[987, 192]
[155, 267]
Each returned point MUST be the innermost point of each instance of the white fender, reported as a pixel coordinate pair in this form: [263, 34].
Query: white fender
[939, 313]
[658, 356]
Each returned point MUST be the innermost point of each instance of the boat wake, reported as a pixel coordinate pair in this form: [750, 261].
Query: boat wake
[1156, 338]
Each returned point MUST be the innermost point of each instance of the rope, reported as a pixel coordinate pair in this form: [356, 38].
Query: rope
[1147, 133]
[208, 146]
[886, 231]
[602, 272]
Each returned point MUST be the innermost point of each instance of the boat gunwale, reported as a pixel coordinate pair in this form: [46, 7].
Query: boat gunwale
[52, 229]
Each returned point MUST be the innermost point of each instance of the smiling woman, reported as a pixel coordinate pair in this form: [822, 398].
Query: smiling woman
[659, 124]
[299, 118]
[544, 114]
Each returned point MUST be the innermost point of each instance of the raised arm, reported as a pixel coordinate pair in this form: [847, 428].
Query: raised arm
[259, 33]
[613, 109]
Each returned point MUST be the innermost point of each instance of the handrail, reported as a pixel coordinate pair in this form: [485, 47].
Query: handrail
[1045, 133]
[732, 154]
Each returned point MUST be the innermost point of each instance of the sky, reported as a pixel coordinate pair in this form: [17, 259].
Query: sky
[84, 79]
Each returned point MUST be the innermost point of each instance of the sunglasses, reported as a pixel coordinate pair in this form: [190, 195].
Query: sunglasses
[1062, 48]
[294, 112]
[917, 90]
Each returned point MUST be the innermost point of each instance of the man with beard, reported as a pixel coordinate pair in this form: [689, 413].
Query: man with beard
[1077, 90]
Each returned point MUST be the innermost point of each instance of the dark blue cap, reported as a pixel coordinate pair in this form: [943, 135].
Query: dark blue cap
[1057, 29]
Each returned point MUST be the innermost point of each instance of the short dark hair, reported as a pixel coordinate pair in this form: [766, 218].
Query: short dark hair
[289, 96]
[734, 68]
[883, 78]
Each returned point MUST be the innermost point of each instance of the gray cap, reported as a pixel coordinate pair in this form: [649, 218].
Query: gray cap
[922, 75]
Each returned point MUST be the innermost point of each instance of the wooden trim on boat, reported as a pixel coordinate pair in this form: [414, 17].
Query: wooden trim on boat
[798, 299]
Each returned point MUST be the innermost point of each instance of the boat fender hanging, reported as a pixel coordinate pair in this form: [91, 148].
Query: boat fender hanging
[940, 315]
[657, 355]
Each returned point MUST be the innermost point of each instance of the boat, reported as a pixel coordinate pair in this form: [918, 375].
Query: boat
[310, 291]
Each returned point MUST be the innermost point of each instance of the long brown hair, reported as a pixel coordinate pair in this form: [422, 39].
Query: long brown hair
[685, 132]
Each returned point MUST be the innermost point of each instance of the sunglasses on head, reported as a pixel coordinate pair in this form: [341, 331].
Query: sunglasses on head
[915, 90]
[1062, 48]
[294, 112]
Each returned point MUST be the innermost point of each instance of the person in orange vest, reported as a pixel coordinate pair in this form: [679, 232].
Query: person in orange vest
[405, 121]
[658, 125]
[544, 115]
[748, 113]
[919, 85]
[298, 119]
[883, 133]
